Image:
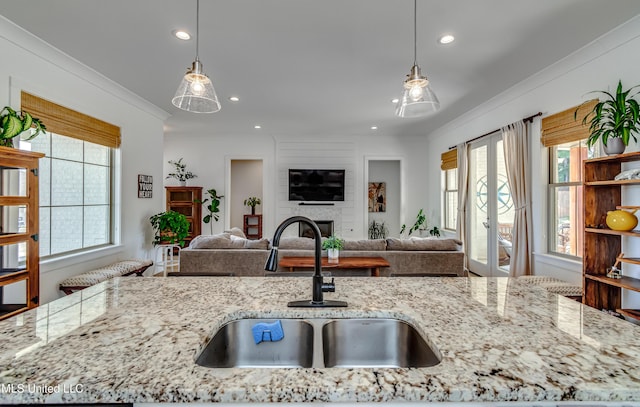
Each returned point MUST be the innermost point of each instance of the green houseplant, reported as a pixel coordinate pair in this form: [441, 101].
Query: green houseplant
[420, 223]
[170, 227]
[14, 123]
[213, 207]
[180, 172]
[377, 230]
[333, 245]
[613, 120]
[252, 202]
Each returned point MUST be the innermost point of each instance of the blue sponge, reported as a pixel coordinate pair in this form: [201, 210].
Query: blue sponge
[266, 332]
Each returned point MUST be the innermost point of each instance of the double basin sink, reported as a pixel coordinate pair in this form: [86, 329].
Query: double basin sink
[321, 343]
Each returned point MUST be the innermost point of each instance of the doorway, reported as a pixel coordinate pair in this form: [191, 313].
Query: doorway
[245, 181]
[491, 211]
[384, 198]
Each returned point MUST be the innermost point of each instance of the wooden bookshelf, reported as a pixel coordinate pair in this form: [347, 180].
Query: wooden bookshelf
[187, 201]
[19, 247]
[603, 193]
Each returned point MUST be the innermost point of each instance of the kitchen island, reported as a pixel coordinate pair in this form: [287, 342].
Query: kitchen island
[135, 340]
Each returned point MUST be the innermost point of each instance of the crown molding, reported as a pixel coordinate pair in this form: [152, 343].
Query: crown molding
[39, 48]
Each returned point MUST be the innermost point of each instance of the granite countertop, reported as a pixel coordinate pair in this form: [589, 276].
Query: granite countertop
[135, 340]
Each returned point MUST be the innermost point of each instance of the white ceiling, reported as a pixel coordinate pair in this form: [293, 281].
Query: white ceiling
[318, 67]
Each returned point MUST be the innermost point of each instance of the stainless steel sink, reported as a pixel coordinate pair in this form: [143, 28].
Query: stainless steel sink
[233, 346]
[320, 343]
[373, 342]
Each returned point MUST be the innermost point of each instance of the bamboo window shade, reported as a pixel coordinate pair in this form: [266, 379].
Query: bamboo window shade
[566, 126]
[67, 122]
[449, 160]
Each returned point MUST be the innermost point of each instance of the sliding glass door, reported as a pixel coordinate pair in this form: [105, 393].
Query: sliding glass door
[490, 214]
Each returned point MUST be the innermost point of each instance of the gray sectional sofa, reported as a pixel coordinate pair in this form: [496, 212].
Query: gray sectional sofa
[230, 253]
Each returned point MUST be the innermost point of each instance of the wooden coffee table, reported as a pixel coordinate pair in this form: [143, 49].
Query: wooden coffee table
[373, 263]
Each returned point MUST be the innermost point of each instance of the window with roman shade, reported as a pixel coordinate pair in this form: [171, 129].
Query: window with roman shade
[62, 120]
[449, 167]
[76, 177]
[565, 137]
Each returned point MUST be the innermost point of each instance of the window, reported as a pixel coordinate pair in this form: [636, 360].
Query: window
[450, 198]
[565, 206]
[565, 136]
[76, 177]
[449, 166]
[75, 194]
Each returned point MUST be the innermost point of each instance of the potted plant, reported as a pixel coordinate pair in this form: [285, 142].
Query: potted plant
[14, 123]
[180, 172]
[377, 230]
[170, 227]
[333, 245]
[614, 120]
[420, 223]
[213, 207]
[252, 202]
[434, 231]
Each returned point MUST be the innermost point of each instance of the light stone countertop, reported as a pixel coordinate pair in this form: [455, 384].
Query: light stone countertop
[135, 340]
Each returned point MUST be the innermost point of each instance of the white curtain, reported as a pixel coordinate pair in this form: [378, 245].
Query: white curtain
[463, 181]
[516, 155]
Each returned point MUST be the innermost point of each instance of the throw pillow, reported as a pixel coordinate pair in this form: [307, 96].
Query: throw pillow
[236, 232]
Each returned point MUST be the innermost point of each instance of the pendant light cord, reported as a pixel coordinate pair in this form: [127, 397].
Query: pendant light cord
[415, 32]
[197, 27]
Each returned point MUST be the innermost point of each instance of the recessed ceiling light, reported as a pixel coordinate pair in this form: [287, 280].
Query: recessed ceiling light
[394, 101]
[234, 98]
[182, 35]
[257, 126]
[374, 127]
[446, 39]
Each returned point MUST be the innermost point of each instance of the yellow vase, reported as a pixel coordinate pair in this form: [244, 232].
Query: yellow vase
[621, 220]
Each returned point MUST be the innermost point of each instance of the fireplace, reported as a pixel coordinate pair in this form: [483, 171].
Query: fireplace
[325, 226]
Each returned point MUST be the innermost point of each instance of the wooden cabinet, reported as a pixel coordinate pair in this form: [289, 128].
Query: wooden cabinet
[187, 201]
[602, 193]
[19, 256]
[253, 226]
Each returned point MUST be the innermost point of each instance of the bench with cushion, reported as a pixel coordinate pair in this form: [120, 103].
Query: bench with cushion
[118, 269]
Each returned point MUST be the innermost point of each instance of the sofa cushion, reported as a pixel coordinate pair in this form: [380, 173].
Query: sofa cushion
[423, 244]
[297, 243]
[242, 243]
[365, 244]
[227, 241]
[220, 241]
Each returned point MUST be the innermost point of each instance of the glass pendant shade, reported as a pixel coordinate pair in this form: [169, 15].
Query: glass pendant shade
[196, 93]
[418, 99]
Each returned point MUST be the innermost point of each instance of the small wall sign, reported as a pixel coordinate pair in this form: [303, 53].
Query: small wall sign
[145, 186]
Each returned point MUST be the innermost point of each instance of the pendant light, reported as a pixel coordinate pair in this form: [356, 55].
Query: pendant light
[195, 93]
[418, 98]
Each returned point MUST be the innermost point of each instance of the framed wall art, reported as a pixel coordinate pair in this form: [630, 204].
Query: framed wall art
[377, 197]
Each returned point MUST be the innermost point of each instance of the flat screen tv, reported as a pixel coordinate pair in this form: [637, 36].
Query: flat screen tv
[316, 185]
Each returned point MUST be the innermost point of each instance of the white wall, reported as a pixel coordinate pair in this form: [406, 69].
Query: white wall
[206, 155]
[30, 64]
[209, 157]
[597, 66]
[387, 171]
